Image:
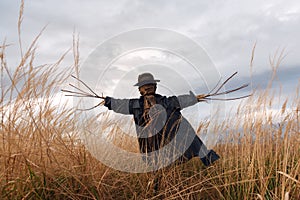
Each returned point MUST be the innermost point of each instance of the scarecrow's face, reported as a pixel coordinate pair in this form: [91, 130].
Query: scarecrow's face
[148, 89]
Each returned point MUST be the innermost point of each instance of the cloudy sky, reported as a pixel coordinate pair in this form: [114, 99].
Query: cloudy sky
[226, 30]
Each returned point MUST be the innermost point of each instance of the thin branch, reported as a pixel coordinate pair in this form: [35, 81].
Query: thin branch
[77, 88]
[228, 99]
[86, 86]
[225, 82]
[82, 93]
[74, 95]
[219, 81]
[232, 90]
[77, 93]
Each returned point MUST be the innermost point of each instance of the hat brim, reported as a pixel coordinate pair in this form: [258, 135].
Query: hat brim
[146, 82]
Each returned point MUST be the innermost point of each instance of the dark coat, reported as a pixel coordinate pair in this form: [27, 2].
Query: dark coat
[167, 123]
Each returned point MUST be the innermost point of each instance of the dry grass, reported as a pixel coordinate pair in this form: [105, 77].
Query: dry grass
[41, 156]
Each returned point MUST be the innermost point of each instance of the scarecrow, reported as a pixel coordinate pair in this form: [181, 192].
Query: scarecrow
[158, 119]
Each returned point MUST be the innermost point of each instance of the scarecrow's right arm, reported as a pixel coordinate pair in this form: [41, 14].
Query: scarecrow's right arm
[123, 106]
[187, 100]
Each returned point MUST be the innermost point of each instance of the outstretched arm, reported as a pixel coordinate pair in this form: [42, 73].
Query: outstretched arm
[122, 106]
[189, 99]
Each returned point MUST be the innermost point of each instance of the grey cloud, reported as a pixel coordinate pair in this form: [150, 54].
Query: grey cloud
[230, 37]
[226, 29]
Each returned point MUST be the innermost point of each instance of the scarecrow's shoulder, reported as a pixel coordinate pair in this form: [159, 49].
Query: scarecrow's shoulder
[168, 101]
[134, 103]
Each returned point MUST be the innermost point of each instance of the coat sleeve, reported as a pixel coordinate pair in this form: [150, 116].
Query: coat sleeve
[187, 100]
[123, 106]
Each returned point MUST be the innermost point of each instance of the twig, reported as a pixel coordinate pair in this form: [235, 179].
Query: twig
[205, 97]
[73, 86]
[225, 82]
[230, 91]
[96, 95]
[229, 99]
[82, 93]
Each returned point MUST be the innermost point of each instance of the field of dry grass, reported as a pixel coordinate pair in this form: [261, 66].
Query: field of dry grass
[42, 157]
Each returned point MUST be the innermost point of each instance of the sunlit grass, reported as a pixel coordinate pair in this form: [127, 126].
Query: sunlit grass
[42, 156]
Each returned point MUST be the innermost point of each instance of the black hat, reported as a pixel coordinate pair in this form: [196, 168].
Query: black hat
[146, 78]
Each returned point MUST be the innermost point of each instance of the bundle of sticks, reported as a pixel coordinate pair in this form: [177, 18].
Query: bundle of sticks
[202, 97]
[216, 91]
[82, 93]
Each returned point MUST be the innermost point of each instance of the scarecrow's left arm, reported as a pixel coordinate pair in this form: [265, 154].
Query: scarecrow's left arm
[123, 106]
